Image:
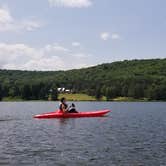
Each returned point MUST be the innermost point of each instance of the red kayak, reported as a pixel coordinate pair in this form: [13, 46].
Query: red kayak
[59, 114]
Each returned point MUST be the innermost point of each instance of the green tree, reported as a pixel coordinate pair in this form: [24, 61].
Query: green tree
[138, 91]
[26, 92]
[112, 92]
[35, 91]
[98, 93]
[54, 94]
[13, 91]
[1, 93]
[108, 93]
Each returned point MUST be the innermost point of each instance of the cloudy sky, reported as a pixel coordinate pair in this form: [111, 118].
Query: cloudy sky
[67, 34]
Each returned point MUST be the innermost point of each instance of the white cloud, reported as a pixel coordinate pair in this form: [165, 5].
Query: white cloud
[29, 25]
[50, 57]
[70, 3]
[8, 23]
[76, 44]
[5, 16]
[56, 48]
[115, 36]
[105, 35]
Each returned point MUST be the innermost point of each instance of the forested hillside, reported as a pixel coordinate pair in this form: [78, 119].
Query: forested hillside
[136, 78]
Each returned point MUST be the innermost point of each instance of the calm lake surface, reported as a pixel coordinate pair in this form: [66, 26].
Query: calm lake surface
[133, 134]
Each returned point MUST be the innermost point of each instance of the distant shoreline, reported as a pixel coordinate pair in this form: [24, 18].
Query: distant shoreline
[138, 80]
[83, 97]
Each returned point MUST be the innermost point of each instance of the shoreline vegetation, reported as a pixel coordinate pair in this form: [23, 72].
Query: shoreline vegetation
[128, 80]
[82, 97]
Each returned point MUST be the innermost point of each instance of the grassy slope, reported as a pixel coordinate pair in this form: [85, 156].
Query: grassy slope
[84, 97]
[77, 97]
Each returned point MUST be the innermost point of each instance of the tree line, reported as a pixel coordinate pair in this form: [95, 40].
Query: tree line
[136, 78]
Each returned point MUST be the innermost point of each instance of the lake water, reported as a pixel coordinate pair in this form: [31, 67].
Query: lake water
[133, 134]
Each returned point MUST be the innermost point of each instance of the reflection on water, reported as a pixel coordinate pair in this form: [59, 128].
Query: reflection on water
[132, 134]
[63, 121]
[6, 119]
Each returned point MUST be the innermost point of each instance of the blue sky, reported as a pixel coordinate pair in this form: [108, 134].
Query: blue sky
[67, 34]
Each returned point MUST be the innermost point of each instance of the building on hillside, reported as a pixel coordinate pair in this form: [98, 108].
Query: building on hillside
[64, 90]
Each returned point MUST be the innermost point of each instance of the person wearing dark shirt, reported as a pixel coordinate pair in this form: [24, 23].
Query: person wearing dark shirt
[63, 107]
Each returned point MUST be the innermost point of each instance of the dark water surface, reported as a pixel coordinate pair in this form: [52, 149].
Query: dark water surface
[133, 134]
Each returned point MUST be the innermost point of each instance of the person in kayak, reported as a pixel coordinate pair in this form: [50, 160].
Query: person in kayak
[63, 107]
[72, 109]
